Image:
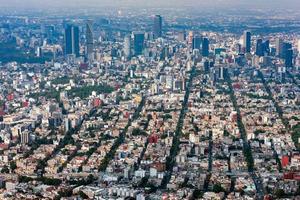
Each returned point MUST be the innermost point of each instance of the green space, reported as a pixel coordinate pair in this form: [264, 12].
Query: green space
[9, 53]
[81, 92]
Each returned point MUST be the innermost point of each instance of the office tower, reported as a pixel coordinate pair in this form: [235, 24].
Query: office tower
[190, 37]
[279, 47]
[38, 52]
[50, 31]
[169, 82]
[89, 39]
[138, 43]
[285, 47]
[298, 46]
[155, 88]
[266, 47]
[164, 53]
[72, 40]
[206, 66]
[24, 137]
[157, 26]
[197, 40]
[127, 46]
[181, 36]
[205, 47]
[289, 58]
[221, 73]
[67, 124]
[259, 51]
[247, 41]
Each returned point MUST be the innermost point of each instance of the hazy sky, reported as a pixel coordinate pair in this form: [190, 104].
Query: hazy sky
[152, 3]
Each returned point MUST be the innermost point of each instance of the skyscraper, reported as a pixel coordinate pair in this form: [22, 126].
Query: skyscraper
[157, 26]
[197, 40]
[247, 41]
[266, 47]
[285, 47]
[287, 54]
[89, 39]
[205, 47]
[279, 47]
[259, 51]
[298, 46]
[138, 41]
[289, 58]
[72, 40]
[181, 36]
[24, 137]
[127, 46]
[190, 37]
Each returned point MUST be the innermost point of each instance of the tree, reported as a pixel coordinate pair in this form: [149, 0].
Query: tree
[66, 192]
[50, 181]
[217, 188]
[279, 193]
[24, 179]
[13, 166]
[83, 195]
[5, 169]
[226, 133]
[197, 194]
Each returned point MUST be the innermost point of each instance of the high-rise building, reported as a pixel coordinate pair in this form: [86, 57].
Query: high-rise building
[197, 40]
[247, 41]
[127, 46]
[298, 46]
[289, 58]
[266, 47]
[181, 36]
[221, 73]
[138, 43]
[89, 39]
[72, 40]
[164, 53]
[50, 31]
[285, 47]
[279, 47]
[24, 137]
[157, 26]
[190, 37]
[205, 47]
[259, 51]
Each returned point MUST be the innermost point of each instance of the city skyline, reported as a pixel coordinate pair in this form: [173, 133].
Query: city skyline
[160, 100]
[219, 4]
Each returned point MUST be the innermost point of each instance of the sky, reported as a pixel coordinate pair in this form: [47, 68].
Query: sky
[152, 3]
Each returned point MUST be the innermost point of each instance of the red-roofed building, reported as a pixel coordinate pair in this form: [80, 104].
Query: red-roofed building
[10, 97]
[153, 139]
[236, 86]
[285, 161]
[97, 102]
[3, 146]
[25, 104]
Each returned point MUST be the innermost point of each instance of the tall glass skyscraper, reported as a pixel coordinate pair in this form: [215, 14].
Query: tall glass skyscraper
[89, 39]
[72, 40]
[138, 40]
[289, 58]
[157, 26]
[259, 51]
[197, 41]
[127, 46]
[247, 41]
[205, 47]
[279, 47]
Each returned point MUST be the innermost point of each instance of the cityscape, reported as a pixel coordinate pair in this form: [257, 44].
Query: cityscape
[149, 103]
